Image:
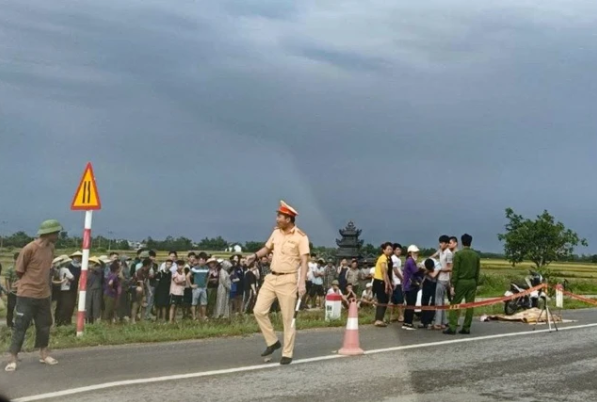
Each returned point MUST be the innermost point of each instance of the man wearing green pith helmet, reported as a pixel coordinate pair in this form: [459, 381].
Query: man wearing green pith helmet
[34, 299]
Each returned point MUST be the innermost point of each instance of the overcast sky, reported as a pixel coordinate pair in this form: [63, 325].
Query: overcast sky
[411, 119]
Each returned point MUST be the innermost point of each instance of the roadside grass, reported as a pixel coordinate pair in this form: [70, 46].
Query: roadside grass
[150, 332]
[102, 334]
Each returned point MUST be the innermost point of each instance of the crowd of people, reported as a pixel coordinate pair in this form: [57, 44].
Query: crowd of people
[121, 288]
[200, 287]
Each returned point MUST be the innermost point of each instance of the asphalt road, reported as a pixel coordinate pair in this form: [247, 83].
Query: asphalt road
[495, 363]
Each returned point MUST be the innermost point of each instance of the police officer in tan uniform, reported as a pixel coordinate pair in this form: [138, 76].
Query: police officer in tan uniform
[290, 247]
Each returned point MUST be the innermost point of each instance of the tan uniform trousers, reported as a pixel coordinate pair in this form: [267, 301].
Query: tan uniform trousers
[284, 288]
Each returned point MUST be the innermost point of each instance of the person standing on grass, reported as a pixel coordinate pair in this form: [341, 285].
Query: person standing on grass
[34, 299]
[288, 276]
[213, 278]
[65, 278]
[397, 295]
[124, 300]
[317, 290]
[411, 284]
[353, 275]
[342, 271]
[330, 274]
[465, 277]
[112, 292]
[69, 298]
[237, 277]
[140, 281]
[162, 290]
[251, 289]
[177, 287]
[443, 287]
[382, 287]
[199, 272]
[222, 308]
[95, 290]
[12, 283]
[432, 270]
[152, 283]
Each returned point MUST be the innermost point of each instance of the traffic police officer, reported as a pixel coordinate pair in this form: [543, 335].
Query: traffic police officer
[290, 247]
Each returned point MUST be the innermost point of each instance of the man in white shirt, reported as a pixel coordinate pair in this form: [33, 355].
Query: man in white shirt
[307, 298]
[397, 295]
[443, 281]
[317, 291]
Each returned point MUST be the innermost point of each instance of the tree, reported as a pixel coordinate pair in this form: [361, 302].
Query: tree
[253, 246]
[122, 245]
[369, 250]
[541, 241]
[216, 244]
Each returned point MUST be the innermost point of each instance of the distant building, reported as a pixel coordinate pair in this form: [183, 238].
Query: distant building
[136, 245]
[236, 248]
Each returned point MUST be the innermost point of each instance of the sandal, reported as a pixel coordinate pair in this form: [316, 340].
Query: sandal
[10, 367]
[50, 361]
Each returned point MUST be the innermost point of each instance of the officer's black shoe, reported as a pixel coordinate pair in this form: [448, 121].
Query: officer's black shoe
[465, 331]
[449, 332]
[271, 349]
[285, 360]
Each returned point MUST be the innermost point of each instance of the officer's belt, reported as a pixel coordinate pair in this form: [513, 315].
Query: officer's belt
[282, 273]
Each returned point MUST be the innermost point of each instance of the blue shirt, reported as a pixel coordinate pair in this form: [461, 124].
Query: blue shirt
[200, 276]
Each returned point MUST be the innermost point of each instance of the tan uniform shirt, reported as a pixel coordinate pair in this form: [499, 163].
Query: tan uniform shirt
[287, 247]
[35, 263]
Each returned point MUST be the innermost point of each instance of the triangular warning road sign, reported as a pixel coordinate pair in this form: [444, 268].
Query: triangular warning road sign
[87, 198]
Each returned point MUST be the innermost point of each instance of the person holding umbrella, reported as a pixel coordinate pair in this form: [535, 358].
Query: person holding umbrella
[290, 247]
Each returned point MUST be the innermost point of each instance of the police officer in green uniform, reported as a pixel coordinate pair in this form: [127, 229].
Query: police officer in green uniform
[465, 276]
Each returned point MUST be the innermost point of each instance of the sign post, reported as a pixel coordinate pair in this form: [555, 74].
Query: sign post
[86, 199]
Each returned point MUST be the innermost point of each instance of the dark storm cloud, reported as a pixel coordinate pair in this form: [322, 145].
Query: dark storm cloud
[413, 120]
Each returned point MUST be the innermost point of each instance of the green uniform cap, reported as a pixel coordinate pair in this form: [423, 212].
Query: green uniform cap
[49, 226]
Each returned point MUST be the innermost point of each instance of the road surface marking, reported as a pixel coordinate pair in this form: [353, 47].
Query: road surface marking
[96, 387]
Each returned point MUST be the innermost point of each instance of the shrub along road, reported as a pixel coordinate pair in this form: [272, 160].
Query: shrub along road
[496, 363]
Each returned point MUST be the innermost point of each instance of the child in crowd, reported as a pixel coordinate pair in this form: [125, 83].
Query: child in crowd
[177, 289]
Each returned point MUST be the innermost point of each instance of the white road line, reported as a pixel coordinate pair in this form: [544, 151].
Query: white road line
[80, 390]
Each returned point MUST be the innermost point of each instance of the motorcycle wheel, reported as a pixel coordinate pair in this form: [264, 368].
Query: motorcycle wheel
[510, 307]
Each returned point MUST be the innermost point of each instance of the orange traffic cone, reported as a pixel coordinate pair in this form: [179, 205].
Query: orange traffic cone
[351, 335]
